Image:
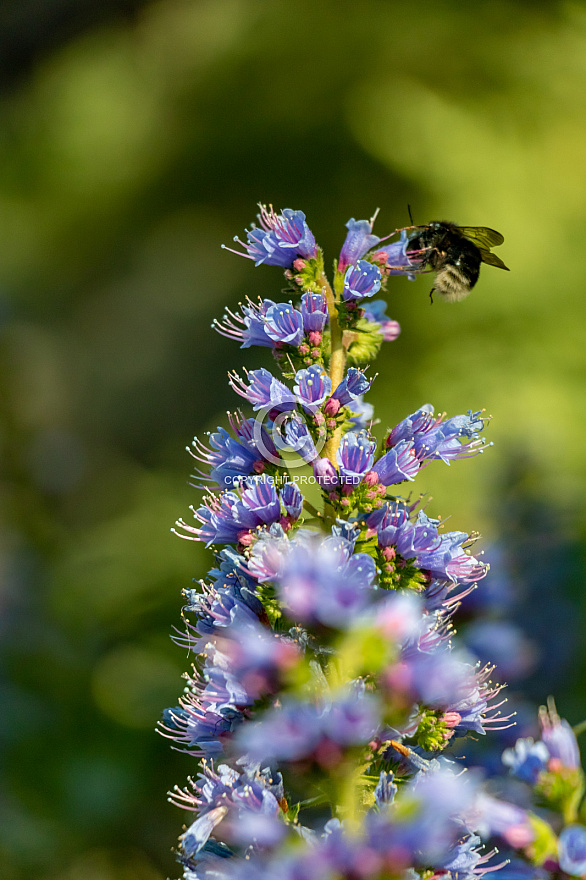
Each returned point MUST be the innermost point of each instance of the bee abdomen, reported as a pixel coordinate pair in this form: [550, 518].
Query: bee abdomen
[452, 284]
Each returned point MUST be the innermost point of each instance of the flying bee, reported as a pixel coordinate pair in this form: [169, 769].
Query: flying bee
[454, 253]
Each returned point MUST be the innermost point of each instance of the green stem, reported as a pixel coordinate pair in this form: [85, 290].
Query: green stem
[337, 362]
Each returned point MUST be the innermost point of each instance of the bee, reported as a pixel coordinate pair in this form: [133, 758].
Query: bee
[454, 253]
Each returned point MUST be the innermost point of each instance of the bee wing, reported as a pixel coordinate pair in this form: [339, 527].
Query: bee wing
[482, 235]
[492, 259]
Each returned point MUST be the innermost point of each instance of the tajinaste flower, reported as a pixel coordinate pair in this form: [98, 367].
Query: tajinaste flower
[572, 850]
[312, 388]
[231, 517]
[314, 312]
[249, 328]
[347, 393]
[359, 240]
[284, 324]
[360, 281]
[232, 460]
[434, 438]
[375, 312]
[396, 260]
[263, 390]
[327, 677]
[282, 239]
[355, 456]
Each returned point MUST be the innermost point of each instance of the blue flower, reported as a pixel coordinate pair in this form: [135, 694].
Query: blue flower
[283, 239]
[559, 738]
[314, 312]
[433, 438]
[250, 328]
[353, 386]
[359, 240]
[313, 386]
[572, 850]
[361, 280]
[355, 456]
[398, 464]
[325, 473]
[228, 517]
[527, 759]
[386, 789]
[397, 259]
[230, 459]
[375, 312]
[297, 728]
[292, 500]
[284, 324]
[320, 580]
[263, 390]
[296, 436]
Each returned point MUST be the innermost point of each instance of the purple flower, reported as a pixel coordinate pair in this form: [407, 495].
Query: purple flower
[396, 259]
[198, 832]
[320, 580]
[386, 789]
[375, 312]
[398, 464]
[269, 553]
[359, 240]
[349, 390]
[353, 717]
[361, 280]
[230, 459]
[284, 324]
[292, 500]
[254, 654]
[313, 386]
[448, 560]
[286, 734]
[283, 238]
[434, 438]
[314, 312]
[424, 831]
[355, 456]
[509, 821]
[325, 473]
[572, 850]
[263, 390]
[559, 738]
[226, 517]
[296, 729]
[527, 759]
[394, 528]
[362, 414]
[250, 328]
[297, 438]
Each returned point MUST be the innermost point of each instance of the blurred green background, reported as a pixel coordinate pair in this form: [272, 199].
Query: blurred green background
[135, 137]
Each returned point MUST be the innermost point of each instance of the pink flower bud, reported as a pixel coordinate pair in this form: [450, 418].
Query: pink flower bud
[332, 407]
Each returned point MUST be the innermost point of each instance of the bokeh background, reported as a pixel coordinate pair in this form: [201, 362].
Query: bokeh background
[135, 137]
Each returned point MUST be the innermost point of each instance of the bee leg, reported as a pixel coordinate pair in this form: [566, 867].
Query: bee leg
[431, 296]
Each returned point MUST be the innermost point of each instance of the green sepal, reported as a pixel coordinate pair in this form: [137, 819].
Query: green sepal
[432, 734]
[366, 342]
[266, 594]
[545, 843]
[362, 652]
[310, 277]
[562, 790]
